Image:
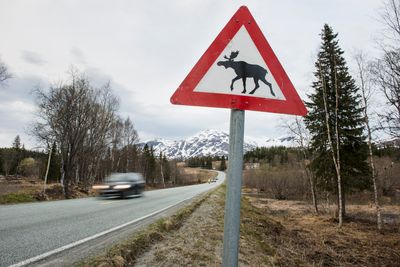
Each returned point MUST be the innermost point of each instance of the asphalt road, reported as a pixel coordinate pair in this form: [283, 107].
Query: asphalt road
[34, 230]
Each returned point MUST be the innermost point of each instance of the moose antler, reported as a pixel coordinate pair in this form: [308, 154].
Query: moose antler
[232, 56]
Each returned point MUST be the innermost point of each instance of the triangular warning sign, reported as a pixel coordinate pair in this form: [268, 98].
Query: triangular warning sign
[240, 71]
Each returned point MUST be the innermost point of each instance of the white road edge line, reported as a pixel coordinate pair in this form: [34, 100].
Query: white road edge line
[76, 243]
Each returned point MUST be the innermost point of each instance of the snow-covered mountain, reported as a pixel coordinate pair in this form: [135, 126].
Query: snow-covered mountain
[210, 142]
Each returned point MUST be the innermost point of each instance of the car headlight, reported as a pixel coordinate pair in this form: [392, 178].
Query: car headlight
[100, 186]
[122, 186]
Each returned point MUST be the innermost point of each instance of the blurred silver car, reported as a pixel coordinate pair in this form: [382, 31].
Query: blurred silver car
[121, 185]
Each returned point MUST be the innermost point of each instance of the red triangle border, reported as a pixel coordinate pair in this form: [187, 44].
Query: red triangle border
[185, 95]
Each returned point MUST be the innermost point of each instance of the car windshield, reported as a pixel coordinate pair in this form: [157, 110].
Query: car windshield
[123, 177]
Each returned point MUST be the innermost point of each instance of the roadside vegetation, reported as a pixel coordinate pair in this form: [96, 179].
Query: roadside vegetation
[18, 189]
[18, 197]
[273, 233]
[280, 173]
[291, 235]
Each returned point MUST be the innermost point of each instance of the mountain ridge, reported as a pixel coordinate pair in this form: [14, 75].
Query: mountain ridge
[210, 143]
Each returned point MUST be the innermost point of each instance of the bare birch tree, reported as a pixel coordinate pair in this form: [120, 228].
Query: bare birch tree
[95, 144]
[390, 18]
[335, 154]
[366, 92]
[77, 116]
[116, 136]
[302, 138]
[130, 138]
[386, 69]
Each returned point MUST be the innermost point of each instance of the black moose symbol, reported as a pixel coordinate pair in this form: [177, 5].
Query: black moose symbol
[244, 70]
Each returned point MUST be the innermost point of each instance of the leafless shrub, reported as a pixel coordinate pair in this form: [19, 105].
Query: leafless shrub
[284, 182]
[4, 73]
[388, 176]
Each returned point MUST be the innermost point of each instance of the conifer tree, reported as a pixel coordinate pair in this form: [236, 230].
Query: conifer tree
[166, 169]
[161, 163]
[54, 169]
[17, 143]
[1, 163]
[208, 163]
[222, 167]
[335, 122]
[145, 162]
[152, 166]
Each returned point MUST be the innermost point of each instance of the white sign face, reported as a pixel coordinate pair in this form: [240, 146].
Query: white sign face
[239, 65]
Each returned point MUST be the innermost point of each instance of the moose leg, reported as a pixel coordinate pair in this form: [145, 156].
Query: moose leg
[255, 88]
[234, 79]
[244, 85]
[268, 84]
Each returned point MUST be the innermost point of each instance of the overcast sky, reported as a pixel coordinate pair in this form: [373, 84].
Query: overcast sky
[146, 48]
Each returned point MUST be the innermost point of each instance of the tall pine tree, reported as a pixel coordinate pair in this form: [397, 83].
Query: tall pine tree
[335, 100]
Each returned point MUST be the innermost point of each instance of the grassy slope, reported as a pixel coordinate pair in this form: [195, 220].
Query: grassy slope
[17, 197]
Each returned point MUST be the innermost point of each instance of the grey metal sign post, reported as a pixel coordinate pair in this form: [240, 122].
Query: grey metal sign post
[233, 190]
[207, 85]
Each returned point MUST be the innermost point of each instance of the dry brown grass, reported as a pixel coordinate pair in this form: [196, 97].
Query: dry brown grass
[23, 189]
[305, 239]
[196, 175]
[276, 233]
[11, 184]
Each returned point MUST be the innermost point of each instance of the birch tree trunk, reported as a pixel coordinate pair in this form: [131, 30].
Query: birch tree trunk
[308, 174]
[339, 177]
[334, 155]
[47, 171]
[364, 93]
[162, 173]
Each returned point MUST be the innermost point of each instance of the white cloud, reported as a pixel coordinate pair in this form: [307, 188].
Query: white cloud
[32, 58]
[16, 118]
[147, 48]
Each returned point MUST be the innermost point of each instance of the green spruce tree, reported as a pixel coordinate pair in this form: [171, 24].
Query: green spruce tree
[54, 168]
[145, 163]
[151, 172]
[1, 162]
[166, 169]
[335, 122]
[208, 163]
[222, 166]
